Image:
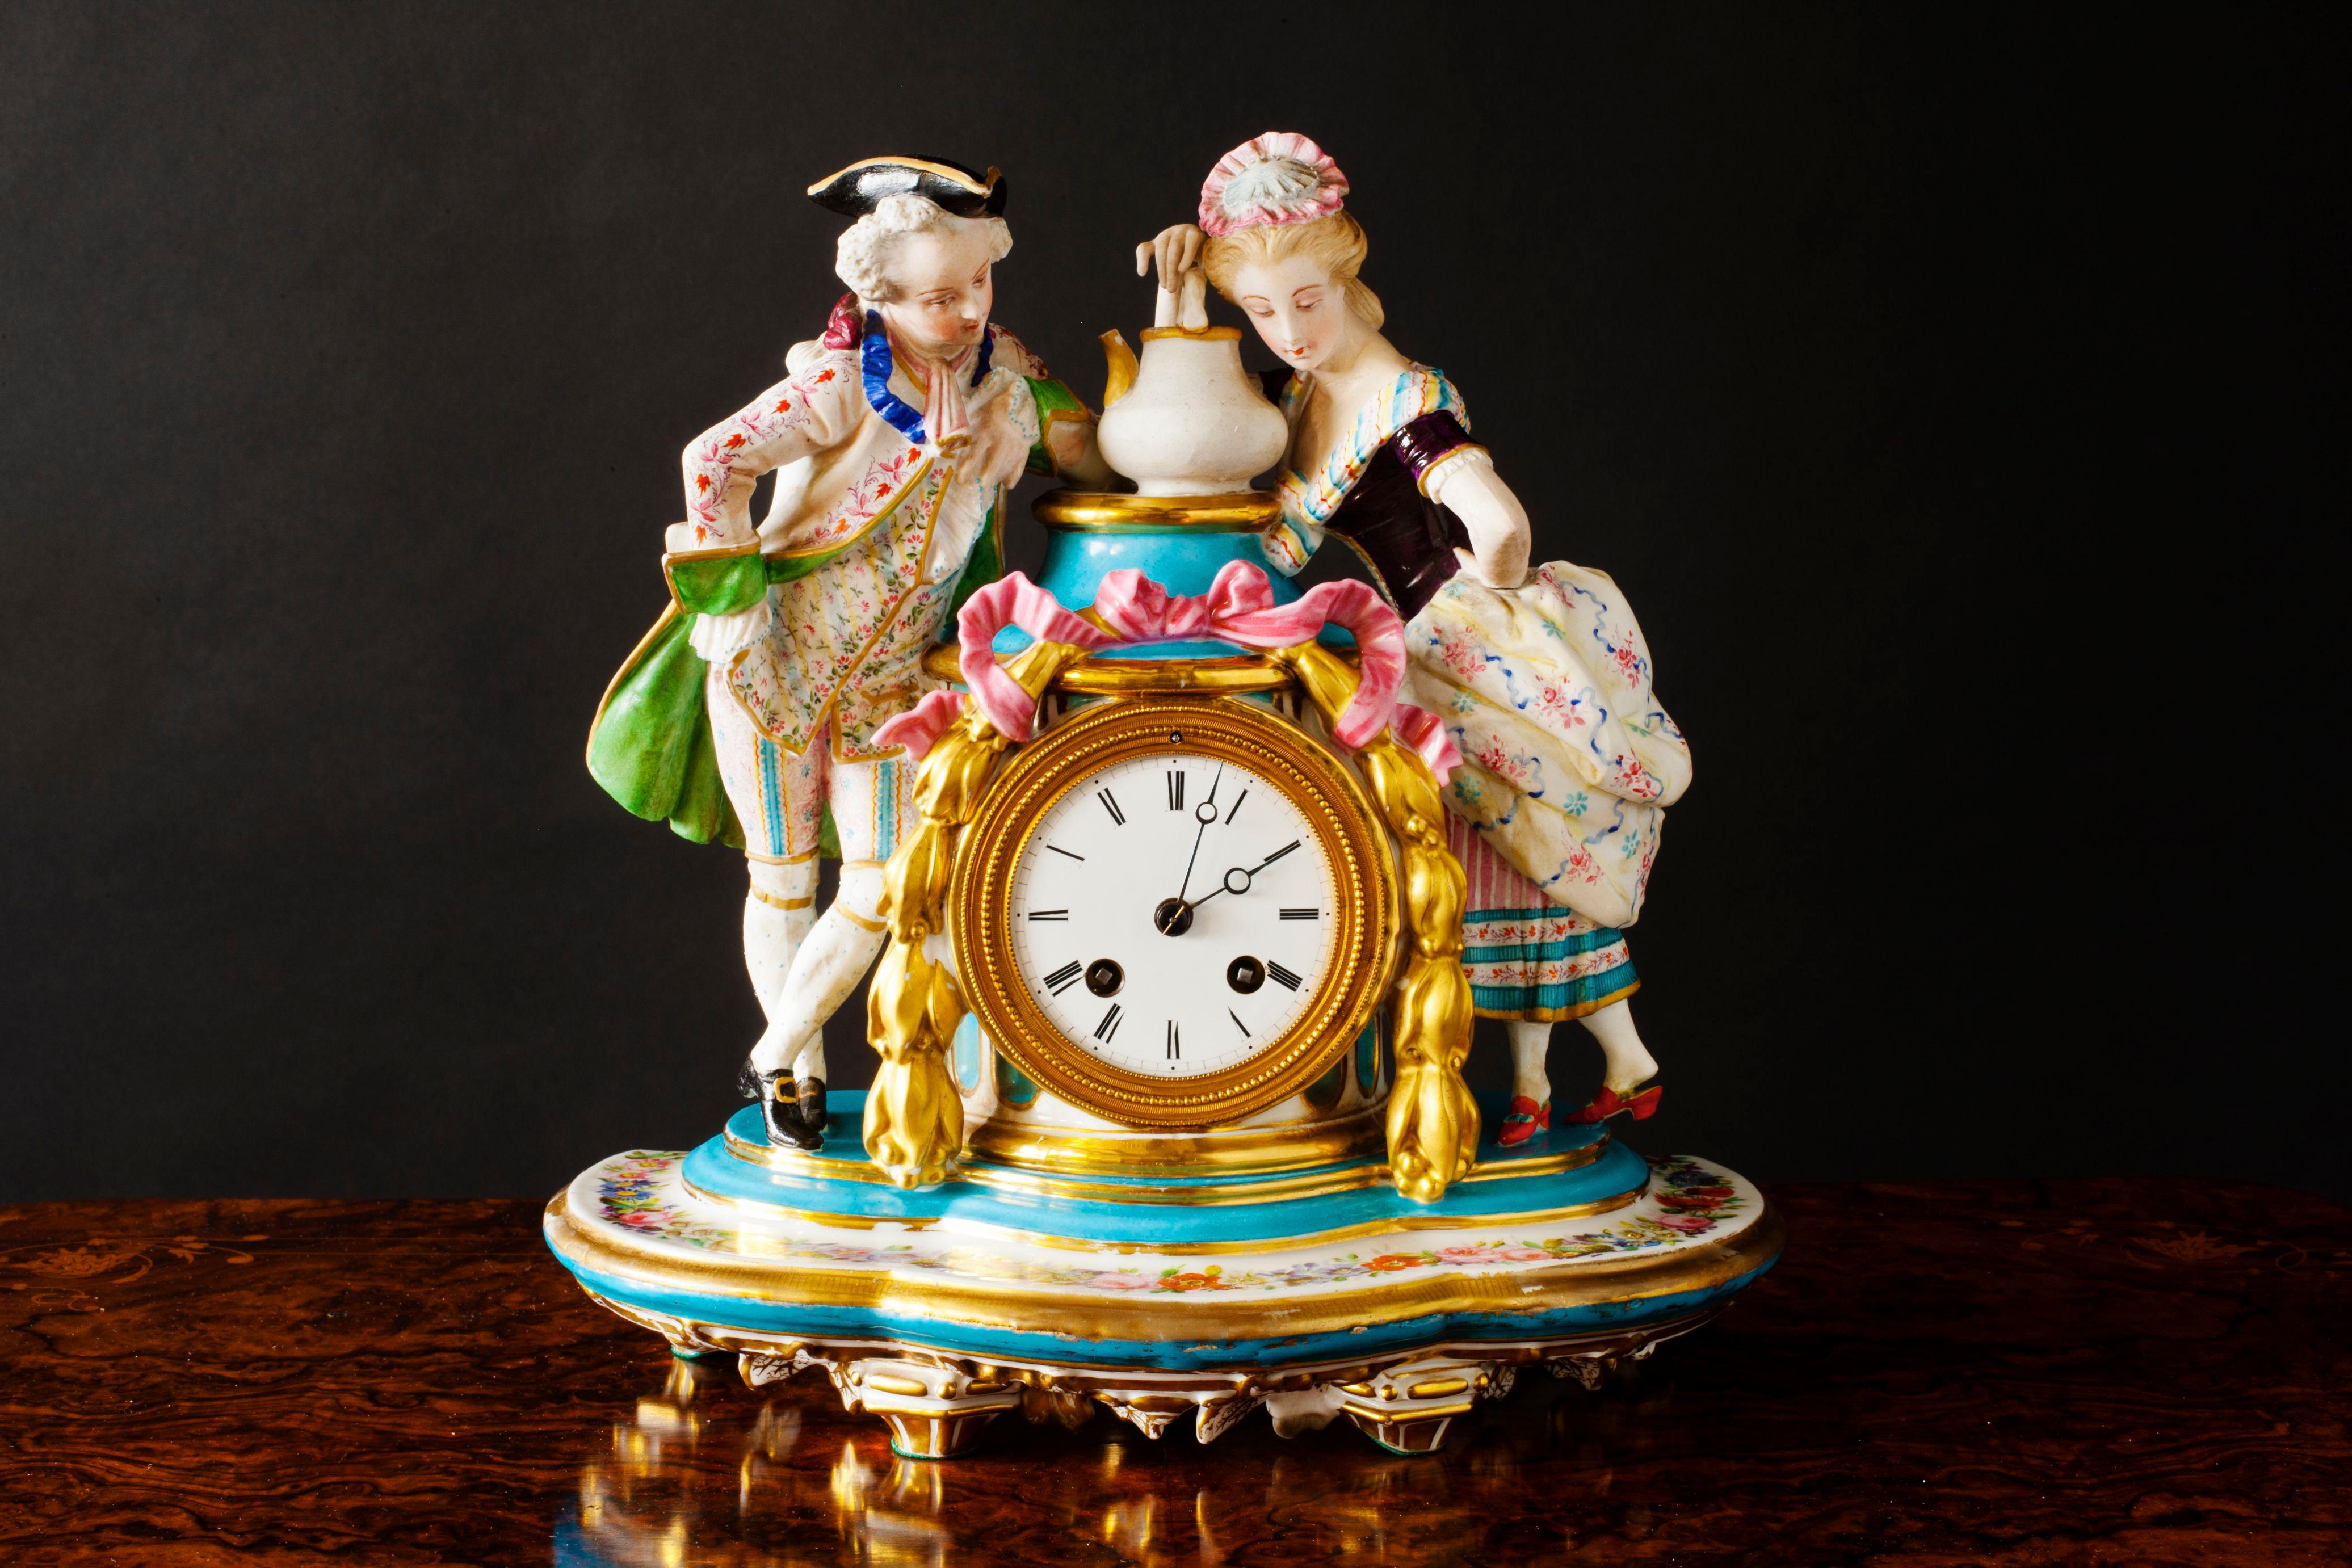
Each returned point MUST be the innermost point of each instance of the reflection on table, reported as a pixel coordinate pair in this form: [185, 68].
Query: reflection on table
[708, 1471]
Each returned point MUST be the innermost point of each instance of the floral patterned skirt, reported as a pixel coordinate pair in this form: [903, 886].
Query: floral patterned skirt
[1528, 959]
[1568, 760]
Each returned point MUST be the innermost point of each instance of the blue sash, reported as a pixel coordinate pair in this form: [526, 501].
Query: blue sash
[877, 364]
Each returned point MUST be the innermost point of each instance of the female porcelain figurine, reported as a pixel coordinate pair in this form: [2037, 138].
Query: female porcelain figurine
[1542, 676]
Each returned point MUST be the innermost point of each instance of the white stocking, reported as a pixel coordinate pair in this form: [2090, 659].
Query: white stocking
[831, 961]
[1530, 1043]
[811, 1060]
[1628, 1063]
[777, 914]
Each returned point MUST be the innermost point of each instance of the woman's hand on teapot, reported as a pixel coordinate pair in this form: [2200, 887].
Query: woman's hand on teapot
[1176, 249]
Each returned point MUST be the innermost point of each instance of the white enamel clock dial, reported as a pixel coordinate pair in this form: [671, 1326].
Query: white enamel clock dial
[1172, 914]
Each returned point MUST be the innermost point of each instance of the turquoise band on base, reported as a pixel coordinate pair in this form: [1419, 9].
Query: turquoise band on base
[712, 1169]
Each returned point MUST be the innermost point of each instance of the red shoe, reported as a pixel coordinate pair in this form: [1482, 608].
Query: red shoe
[1523, 1121]
[1609, 1102]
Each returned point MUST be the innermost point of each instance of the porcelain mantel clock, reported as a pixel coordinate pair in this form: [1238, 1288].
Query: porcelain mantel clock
[1184, 904]
[1173, 913]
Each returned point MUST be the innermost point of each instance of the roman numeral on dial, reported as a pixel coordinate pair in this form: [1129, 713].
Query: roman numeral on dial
[1175, 1042]
[1282, 976]
[1109, 1025]
[1110, 804]
[1058, 914]
[1063, 979]
[1176, 789]
[1286, 914]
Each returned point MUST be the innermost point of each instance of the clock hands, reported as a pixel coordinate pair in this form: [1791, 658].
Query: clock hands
[1173, 916]
[1226, 883]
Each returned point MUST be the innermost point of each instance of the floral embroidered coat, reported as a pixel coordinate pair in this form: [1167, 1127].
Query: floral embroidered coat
[872, 539]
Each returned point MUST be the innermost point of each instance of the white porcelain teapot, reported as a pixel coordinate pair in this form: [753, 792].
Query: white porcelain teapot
[1186, 419]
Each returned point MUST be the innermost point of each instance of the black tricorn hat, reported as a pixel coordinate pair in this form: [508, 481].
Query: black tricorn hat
[857, 190]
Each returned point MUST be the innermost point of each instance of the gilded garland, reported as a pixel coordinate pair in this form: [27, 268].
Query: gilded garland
[976, 826]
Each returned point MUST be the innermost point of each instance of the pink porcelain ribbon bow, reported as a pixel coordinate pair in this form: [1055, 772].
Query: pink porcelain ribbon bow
[1238, 608]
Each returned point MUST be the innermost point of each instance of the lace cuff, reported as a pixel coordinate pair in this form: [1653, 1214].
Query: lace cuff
[1433, 479]
[719, 637]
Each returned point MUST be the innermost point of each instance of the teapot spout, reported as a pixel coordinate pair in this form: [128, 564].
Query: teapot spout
[1121, 367]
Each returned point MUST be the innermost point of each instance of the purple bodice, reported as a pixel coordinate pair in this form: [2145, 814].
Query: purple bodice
[1409, 538]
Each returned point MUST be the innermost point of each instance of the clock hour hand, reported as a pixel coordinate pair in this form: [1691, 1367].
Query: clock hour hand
[1240, 876]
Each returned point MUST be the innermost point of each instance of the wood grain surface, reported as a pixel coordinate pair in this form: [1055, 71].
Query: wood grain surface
[1958, 1372]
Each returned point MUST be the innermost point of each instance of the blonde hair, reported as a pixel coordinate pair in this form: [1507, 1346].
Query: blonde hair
[1336, 242]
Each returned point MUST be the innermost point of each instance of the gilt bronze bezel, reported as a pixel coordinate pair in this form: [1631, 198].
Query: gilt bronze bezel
[1337, 806]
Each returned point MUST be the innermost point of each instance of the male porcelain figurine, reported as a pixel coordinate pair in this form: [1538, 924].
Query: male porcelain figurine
[749, 714]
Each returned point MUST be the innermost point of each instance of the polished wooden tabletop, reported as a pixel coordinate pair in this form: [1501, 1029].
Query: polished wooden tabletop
[2117, 1372]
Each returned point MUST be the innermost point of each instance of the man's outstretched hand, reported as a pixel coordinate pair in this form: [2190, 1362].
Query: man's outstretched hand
[994, 452]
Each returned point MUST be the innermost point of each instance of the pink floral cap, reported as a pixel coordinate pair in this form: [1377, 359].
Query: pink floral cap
[1280, 177]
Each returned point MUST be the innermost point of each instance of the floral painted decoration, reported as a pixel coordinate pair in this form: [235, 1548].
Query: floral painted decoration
[1280, 177]
[641, 1192]
[635, 1191]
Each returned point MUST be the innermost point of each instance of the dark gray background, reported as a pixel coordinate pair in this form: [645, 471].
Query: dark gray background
[1946, 391]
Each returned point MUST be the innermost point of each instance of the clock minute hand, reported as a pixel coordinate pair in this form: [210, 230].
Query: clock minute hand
[1204, 813]
[1225, 883]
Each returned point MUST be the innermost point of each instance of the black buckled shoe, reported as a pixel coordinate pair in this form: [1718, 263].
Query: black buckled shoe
[810, 1094]
[785, 1128]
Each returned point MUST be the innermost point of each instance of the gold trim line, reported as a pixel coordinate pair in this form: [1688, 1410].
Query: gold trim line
[1562, 1015]
[1233, 675]
[1051, 1184]
[1446, 460]
[956, 177]
[1256, 1151]
[1244, 511]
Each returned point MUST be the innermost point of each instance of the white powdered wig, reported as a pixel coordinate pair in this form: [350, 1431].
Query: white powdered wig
[862, 260]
